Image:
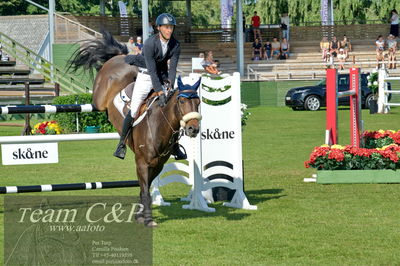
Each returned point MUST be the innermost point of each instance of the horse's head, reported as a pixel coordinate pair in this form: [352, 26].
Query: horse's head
[188, 104]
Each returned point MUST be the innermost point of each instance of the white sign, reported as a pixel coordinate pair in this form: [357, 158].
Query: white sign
[218, 157]
[30, 153]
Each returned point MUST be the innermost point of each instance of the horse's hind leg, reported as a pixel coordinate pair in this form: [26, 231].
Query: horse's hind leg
[144, 175]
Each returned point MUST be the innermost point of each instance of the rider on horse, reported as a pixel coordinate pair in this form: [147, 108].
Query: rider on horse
[157, 50]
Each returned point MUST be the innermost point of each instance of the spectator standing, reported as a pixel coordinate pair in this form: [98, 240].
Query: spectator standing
[346, 45]
[285, 48]
[341, 58]
[255, 23]
[285, 25]
[131, 45]
[256, 50]
[334, 47]
[324, 46]
[392, 48]
[267, 50]
[380, 48]
[394, 23]
[276, 48]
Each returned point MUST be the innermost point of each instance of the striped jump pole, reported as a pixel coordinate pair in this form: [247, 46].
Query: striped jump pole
[64, 187]
[40, 109]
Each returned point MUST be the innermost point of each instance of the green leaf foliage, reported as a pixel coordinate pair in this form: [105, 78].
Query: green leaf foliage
[68, 120]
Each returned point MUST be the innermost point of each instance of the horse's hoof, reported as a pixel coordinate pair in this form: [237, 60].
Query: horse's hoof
[140, 220]
[151, 224]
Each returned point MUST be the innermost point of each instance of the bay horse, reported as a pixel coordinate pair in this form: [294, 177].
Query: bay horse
[152, 139]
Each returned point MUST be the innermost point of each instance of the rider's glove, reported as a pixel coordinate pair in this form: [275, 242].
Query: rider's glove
[162, 100]
[167, 83]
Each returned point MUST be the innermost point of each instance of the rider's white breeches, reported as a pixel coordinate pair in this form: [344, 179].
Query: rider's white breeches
[142, 88]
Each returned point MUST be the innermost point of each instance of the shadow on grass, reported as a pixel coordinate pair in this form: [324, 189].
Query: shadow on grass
[258, 196]
[176, 212]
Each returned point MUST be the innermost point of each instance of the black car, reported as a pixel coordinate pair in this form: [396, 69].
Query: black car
[313, 97]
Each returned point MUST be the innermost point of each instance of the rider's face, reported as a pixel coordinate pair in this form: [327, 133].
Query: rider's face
[166, 31]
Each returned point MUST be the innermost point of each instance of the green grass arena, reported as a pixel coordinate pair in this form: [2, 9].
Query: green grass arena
[296, 222]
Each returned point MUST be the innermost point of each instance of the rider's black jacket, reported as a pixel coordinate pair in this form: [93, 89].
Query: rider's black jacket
[157, 64]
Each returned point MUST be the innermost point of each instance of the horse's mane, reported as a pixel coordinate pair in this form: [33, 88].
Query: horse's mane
[94, 53]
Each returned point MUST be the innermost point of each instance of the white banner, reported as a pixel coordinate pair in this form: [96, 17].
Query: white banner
[226, 13]
[124, 18]
[122, 9]
[30, 153]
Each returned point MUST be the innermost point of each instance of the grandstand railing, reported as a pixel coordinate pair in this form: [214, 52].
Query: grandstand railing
[81, 30]
[68, 83]
[313, 70]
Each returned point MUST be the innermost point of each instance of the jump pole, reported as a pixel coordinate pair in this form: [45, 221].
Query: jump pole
[72, 186]
[332, 95]
[39, 109]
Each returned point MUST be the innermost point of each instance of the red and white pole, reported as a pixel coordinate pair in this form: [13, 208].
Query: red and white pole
[355, 107]
[331, 136]
[332, 95]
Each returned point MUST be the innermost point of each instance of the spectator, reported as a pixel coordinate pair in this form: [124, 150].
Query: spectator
[276, 48]
[267, 50]
[285, 26]
[131, 46]
[394, 23]
[392, 48]
[380, 47]
[285, 49]
[341, 58]
[201, 55]
[346, 45]
[211, 65]
[244, 29]
[324, 46]
[256, 55]
[255, 23]
[138, 45]
[334, 47]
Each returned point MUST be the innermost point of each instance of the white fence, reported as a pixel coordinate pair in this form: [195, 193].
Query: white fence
[383, 92]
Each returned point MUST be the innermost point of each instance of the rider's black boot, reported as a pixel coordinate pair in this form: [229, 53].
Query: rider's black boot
[178, 153]
[126, 128]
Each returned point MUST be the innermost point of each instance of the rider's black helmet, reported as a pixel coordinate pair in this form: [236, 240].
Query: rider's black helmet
[165, 19]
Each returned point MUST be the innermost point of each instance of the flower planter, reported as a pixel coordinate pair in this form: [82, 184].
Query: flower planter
[358, 176]
[373, 106]
[92, 129]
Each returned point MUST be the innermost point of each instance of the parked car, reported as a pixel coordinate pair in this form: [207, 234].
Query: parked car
[313, 97]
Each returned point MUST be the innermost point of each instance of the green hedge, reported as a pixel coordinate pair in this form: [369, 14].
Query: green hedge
[68, 120]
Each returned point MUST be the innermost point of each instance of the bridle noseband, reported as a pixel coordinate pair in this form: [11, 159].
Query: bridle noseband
[189, 94]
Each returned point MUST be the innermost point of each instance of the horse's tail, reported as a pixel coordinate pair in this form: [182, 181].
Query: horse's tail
[94, 53]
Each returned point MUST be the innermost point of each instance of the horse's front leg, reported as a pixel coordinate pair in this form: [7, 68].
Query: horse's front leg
[144, 175]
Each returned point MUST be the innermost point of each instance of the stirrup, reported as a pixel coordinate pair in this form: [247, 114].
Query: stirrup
[178, 154]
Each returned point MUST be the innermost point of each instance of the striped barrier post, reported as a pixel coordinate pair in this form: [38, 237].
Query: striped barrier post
[72, 186]
[40, 109]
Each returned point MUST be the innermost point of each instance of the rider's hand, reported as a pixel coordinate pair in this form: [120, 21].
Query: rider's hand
[162, 99]
[167, 83]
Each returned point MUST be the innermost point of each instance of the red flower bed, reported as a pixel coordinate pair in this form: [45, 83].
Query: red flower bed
[339, 157]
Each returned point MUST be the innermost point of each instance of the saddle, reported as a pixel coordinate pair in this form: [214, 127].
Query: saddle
[122, 101]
